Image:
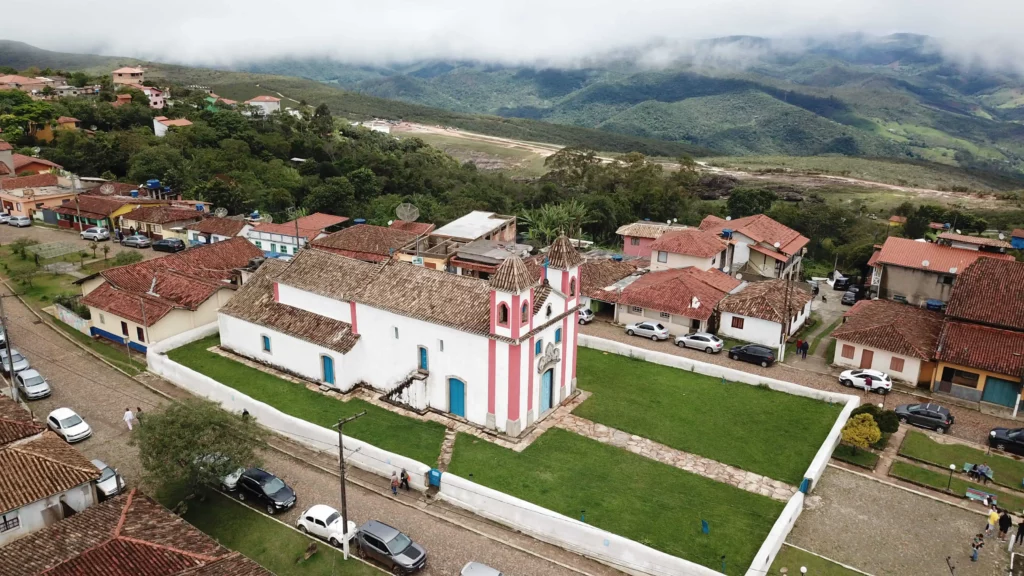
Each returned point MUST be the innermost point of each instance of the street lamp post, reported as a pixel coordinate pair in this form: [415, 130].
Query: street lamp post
[949, 483]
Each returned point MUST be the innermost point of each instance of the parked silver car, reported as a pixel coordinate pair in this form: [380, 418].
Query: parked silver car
[11, 356]
[31, 385]
[110, 483]
[20, 221]
[478, 569]
[652, 330]
[396, 551]
[96, 234]
[136, 241]
[4, 218]
[701, 341]
[586, 316]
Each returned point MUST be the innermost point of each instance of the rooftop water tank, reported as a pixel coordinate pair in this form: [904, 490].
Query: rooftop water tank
[152, 183]
[617, 257]
[359, 221]
[135, 193]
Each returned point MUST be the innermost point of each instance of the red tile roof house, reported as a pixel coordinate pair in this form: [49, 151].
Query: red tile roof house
[915, 272]
[366, 242]
[265, 104]
[638, 237]
[128, 535]
[159, 298]
[761, 246]
[43, 478]
[981, 348]
[104, 211]
[898, 339]
[12, 164]
[682, 247]
[280, 240]
[214, 229]
[757, 312]
[156, 222]
[161, 124]
[682, 300]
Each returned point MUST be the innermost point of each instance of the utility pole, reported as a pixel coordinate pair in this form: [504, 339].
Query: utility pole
[7, 351]
[341, 469]
[79, 210]
[785, 325]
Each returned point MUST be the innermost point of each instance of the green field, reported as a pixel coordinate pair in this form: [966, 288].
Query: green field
[939, 480]
[418, 440]
[858, 457]
[793, 559]
[625, 493]
[736, 424]
[917, 445]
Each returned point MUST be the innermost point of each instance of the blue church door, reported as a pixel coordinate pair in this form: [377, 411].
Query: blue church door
[457, 397]
[547, 391]
[327, 364]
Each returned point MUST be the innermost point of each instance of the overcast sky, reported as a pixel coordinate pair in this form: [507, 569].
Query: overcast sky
[557, 31]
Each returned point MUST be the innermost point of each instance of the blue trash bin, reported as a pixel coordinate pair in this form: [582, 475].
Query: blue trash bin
[434, 477]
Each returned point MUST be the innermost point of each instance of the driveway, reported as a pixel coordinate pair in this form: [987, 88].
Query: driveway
[100, 394]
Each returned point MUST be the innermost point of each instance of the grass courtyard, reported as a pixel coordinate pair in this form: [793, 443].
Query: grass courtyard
[627, 494]
[738, 424]
[413, 438]
[918, 446]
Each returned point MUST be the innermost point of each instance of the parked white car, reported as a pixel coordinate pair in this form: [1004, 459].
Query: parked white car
[324, 522]
[701, 341]
[20, 221]
[110, 483]
[96, 233]
[652, 330]
[870, 380]
[68, 425]
[4, 218]
[31, 385]
[478, 569]
[586, 316]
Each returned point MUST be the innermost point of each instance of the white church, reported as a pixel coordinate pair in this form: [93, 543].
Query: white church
[499, 353]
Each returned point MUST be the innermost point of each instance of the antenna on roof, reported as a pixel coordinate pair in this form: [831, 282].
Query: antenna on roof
[1002, 236]
[152, 288]
[220, 212]
[407, 212]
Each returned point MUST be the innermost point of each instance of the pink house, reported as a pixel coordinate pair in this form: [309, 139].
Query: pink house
[638, 237]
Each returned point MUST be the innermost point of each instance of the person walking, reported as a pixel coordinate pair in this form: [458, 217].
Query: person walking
[977, 544]
[1005, 523]
[804, 350]
[404, 477]
[128, 418]
[799, 346]
[394, 484]
[1020, 534]
[138, 414]
[993, 520]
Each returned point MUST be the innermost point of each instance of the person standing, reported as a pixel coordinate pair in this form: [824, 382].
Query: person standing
[993, 520]
[1020, 534]
[128, 418]
[1005, 523]
[138, 414]
[404, 477]
[976, 545]
[799, 346]
[806, 347]
[394, 484]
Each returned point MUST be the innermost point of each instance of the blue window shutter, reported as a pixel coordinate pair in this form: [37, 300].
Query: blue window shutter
[538, 347]
[558, 335]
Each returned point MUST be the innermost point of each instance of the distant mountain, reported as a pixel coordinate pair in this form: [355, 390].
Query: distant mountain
[21, 56]
[894, 96]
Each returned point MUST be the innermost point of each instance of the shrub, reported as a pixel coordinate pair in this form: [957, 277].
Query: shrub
[887, 420]
[71, 301]
[861, 431]
[125, 258]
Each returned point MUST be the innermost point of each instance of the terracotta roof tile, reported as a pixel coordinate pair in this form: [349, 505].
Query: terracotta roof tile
[977, 240]
[219, 226]
[163, 214]
[232, 565]
[898, 219]
[674, 291]
[137, 307]
[67, 120]
[418, 228]
[643, 229]
[15, 422]
[540, 295]
[759, 228]
[1017, 233]
[98, 207]
[328, 274]
[40, 468]
[983, 348]
[562, 255]
[989, 291]
[20, 161]
[34, 181]
[900, 328]
[264, 98]
[3, 168]
[309, 226]
[598, 274]
[128, 70]
[366, 242]
[941, 259]
[766, 300]
[691, 242]
[513, 276]
[179, 122]
[255, 303]
[4, 146]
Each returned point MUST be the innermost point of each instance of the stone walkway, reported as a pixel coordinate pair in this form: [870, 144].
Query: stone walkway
[692, 463]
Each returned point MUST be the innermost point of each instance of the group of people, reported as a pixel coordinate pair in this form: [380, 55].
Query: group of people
[999, 519]
[131, 418]
[802, 346]
[980, 472]
[397, 482]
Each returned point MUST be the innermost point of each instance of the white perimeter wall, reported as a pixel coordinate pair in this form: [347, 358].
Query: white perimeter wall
[879, 361]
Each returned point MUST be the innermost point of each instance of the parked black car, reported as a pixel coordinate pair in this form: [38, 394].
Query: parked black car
[387, 545]
[169, 245]
[842, 283]
[1007, 439]
[753, 353]
[264, 487]
[849, 298]
[930, 416]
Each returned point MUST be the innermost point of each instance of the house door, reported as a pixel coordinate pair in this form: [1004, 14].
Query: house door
[423, 358]
[547, 391]
[866, 358]
[999, 391]
[327, 364]
[457, 397]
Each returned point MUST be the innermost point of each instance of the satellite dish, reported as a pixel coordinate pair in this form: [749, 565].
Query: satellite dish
[407, 212]
[952, 270]
[266, 219]
[925, 263]
[220, 212]
[728, 218]
[93, 127]
[777, 245]
[669, 222]
[107, 189]
[957, 231]
[36, 151]
[1002, 236]
[674, 220]
[390, 222]
[739, 276]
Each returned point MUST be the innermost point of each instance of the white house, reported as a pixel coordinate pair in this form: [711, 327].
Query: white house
[267, 104]
[161, 124]
[682, 247]
[896, 338]
[683, 300]
[499, 353]
[213, 229]
[761, 246]
[757, 313]
[45, 479]
[285, 239]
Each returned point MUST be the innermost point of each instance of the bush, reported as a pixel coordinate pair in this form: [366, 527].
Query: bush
[861, 431]
[125, 258]
[887, 420]
[71, 301]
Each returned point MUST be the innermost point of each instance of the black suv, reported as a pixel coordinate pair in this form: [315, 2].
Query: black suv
[1007, 439]
[753, 353]
[265, 488]
[931, 416]
[169, 245]
[390, 547]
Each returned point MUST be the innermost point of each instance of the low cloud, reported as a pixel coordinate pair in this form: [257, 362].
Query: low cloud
[552, 32]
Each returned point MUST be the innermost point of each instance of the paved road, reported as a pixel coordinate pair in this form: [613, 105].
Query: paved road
[45, 234]
[100, 394]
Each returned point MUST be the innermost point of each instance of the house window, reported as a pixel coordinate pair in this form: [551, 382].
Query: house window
[665, 315]
[259, 244]
[547, 312]
[636, 310]
[502, 315]
[266, 343]
[946, 279]
[9, 521]
[558, 335]
[662, 256]
[140, 334]
[960, 377]
[896, 364]
[102, 319]
[396, 332]
[440, 345]
[525, 312]
[538, 347]
[572, 287]
[737, 322]
[848, 351]
[634, 241]
[124, 328]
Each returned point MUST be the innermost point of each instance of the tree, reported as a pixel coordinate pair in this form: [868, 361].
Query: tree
[916, 226]
[861, 431]
[106, 251]
[335, 196]
[749, 201]
[194, 443]
[552, 220]
[93, 246]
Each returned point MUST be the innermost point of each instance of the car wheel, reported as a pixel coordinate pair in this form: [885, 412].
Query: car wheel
[733, 356]
[302, 529]
[397, 570]
[582, 322]
[241, 496]
[629, 332]
[764, 364]
[270, 509]
[680, 344]
[846, 383]
[709, 350]
[360, 551]
[334, 542]
[903, 419]
[654, 338]
[1001, 446]
[941, 430]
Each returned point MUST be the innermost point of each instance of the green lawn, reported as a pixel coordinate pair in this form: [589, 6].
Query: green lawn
[824, 333]
[737, 424]
[917, 445]
[116, 355]
[939, 481]
[858, 457]
[793, 559]
[626, 494]
[387, 430]
[272, 545]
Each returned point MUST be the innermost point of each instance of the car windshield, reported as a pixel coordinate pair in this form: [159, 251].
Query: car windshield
[34, 381]
[659, 326]
[106, 474]
[16, 357]
[71, 421]
[398, 544]
[913, 407]
[273, 486]
[332, 518]
[1015, 433]
[715, 338]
